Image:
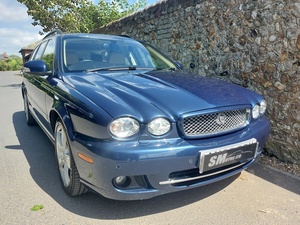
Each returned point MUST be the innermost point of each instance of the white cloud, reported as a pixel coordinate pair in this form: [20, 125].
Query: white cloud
[13, 12]
[16, 30]
[12, 39]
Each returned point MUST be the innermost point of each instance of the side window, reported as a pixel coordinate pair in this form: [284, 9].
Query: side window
[39, 51]
[49, 54]
[33, 54]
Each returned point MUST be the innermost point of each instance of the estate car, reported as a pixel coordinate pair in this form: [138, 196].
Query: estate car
[128, 123]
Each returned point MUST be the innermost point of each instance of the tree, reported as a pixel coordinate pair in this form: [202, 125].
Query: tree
[12, 63]
[77, 15]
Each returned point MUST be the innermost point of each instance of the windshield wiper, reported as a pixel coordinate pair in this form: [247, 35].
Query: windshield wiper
[112, 68]
[170, 69]
[120, 68]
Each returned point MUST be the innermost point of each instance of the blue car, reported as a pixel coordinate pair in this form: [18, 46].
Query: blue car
[128, 123]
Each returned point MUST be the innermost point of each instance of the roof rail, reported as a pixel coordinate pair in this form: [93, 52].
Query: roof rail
[53, 32]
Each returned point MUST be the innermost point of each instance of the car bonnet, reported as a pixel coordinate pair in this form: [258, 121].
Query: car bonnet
[148, 95]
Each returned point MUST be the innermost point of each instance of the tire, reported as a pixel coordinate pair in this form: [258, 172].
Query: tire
[68, 172]
[28, 116]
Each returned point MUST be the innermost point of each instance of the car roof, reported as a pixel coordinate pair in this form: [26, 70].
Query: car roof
[86, 35]
[104, 36]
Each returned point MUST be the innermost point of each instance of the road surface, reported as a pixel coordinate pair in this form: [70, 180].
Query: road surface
[29, 177]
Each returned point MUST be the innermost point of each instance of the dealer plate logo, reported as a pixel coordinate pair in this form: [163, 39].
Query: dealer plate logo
[228, 155]
[224, 158]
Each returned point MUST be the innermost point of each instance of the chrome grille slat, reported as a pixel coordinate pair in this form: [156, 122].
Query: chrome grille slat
[206, 124]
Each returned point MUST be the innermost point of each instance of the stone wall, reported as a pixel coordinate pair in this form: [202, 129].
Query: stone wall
[254, 43]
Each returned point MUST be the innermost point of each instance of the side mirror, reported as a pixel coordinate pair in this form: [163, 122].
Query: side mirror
[36, 66]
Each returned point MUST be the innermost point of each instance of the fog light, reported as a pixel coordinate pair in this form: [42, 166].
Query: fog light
[122, 181]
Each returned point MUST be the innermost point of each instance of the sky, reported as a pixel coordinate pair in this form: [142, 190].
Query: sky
[16, 30]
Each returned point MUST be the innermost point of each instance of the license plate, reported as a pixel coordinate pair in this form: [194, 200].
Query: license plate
[232, 154]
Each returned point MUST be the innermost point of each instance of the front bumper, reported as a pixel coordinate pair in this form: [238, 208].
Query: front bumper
[159, 166]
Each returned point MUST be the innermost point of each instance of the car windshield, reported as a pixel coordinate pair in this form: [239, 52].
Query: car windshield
[84, 54]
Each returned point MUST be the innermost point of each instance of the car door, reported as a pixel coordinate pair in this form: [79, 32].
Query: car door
[38, 89]
[32, 82]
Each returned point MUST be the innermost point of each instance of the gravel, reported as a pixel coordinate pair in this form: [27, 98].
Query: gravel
[272, 161]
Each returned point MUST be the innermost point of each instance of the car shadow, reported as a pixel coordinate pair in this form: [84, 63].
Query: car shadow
[39, 152]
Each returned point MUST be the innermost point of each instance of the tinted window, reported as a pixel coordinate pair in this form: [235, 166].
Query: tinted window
[39, 52]
[90, 53]
[49, 54]
[158, 59]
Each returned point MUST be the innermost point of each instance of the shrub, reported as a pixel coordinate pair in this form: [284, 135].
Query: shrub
[12, 63]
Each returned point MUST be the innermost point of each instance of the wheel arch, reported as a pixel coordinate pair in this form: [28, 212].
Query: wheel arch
[61, 112]
[53, 118]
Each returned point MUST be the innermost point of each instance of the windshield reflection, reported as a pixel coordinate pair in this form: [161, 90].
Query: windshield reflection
[90, 54]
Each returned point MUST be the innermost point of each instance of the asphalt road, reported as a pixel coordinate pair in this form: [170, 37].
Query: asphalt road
[28, 177]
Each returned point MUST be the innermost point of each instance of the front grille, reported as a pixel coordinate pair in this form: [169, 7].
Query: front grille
[215, 123]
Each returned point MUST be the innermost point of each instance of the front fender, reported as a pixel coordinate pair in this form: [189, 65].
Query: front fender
[80, 119]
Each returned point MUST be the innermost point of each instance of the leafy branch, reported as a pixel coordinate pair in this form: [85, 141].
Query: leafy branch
[77, 15]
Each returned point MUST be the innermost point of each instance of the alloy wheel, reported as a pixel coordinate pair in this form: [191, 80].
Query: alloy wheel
[63, 154]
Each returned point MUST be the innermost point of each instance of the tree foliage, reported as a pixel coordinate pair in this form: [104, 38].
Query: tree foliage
[77, 15]
[11, 64]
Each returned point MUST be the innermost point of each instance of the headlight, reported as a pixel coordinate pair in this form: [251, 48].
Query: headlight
[259, 109]
[255, 111]
[124, 127]
[159, 126]
[263, 107]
